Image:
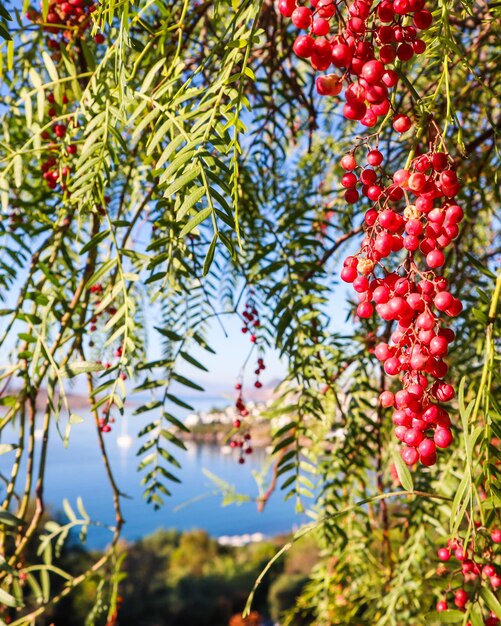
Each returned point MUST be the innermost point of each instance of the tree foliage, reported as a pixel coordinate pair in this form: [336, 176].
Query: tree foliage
[193, 162]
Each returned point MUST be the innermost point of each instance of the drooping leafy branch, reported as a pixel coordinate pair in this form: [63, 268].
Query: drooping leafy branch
[156, 164]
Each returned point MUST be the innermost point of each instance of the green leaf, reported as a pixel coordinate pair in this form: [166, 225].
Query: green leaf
[186, 382]
[51, 68]
[81, 508]
[196, 220]
[102, 271]
[9, 519]
[193, 361]
[403, 472]
[4, 32]
[491, 600]
[6, 599]
[478, 266]
[8, 401]
[80, 367]
[170, 334]
[95, 241]
[70, 513]
[444, 617]
[4, 13]
[173, 420]
[182, 181]
[189, 201]
[475, 615]
[7, 447]
[210, 255]
[152, 75]
[284, 443]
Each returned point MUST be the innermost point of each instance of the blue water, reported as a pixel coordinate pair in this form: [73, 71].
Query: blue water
[78, 471]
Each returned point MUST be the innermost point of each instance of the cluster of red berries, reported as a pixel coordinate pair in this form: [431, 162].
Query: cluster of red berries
[66, 21]
[413, 297]
[363, 43]
[251, 322]
[250, 315]
[475, 569]
[56, 168]
[241, 438]
[259, 368]
[106, 419]
[414, 214]
[96, 290]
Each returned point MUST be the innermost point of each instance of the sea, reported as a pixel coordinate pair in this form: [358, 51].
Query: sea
[216, 493]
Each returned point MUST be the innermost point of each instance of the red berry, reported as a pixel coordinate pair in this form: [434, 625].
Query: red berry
[341, 55]
[374, 158]
[387, 53]
[325, 8]
[413, 437]
[443, 300]
[390, 78]
[392, 366]
[460, 598]
[422, 19]
[443, 437]
[349, 180]
[356, 93]
[286, 7]
[435, 259]
[409, 455]
[372, 71]
[405, 52]
[301, 17]
[439, 161]
[401, 123]
[444, 554]
[348, 162]
[328, 85]
[351, 195]
[365, 310]
[427, 448]
[387, 399]
[438, 346]
[304, 46]
[489, 570]
[401, 7]
[320, 27]
[354, 110]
